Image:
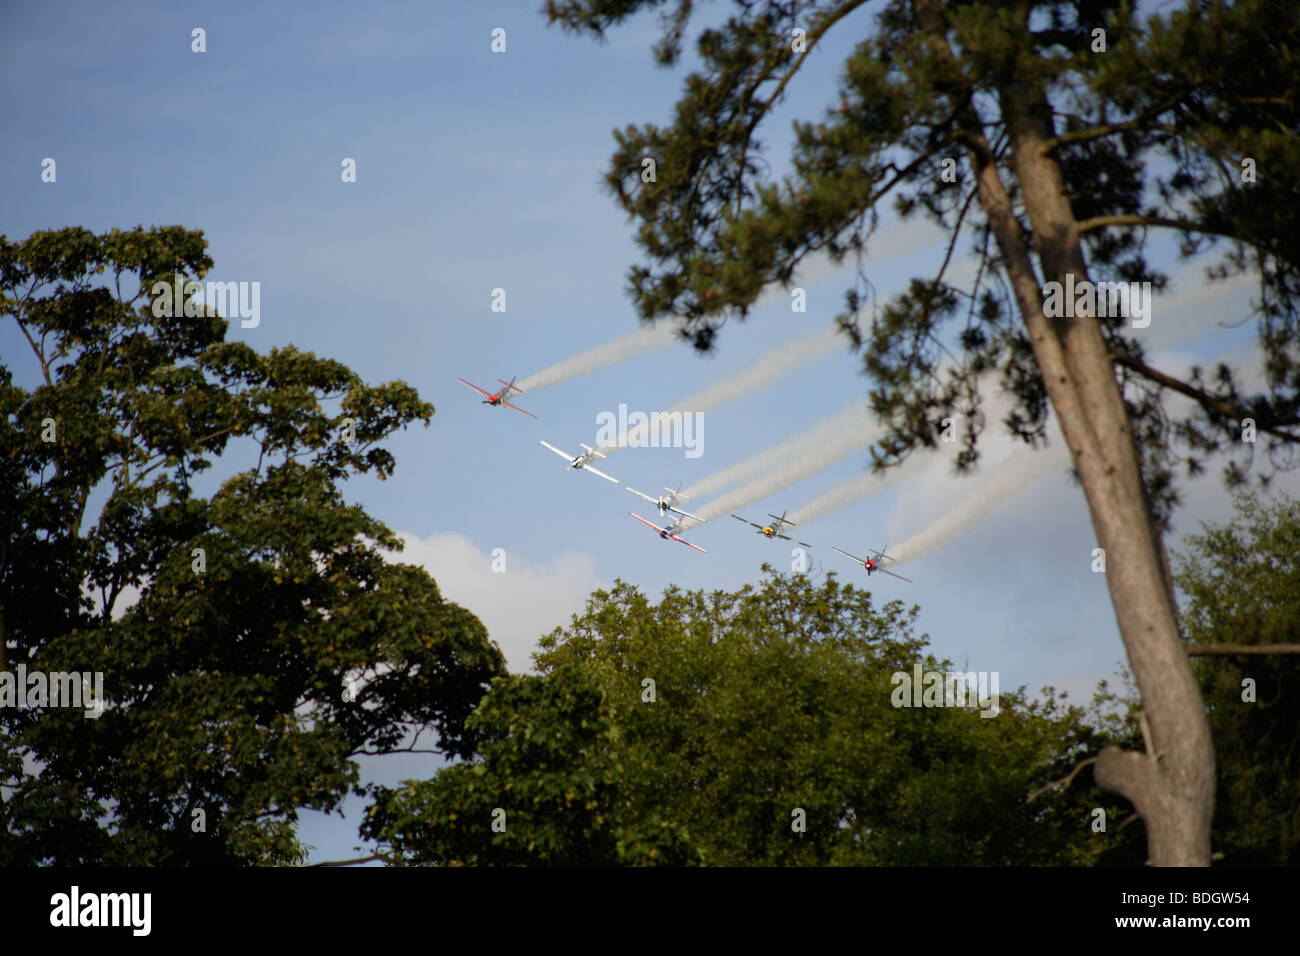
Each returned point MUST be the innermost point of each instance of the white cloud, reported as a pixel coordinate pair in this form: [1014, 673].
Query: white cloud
[517, 605]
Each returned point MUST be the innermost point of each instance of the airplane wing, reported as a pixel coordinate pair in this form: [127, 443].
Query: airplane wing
[518, 409]
[687, 543]
[750, 523]
[847, 555]
[891, 558]
[563, 454]
[795, 540]
[601, 473]
[648, 524]
[475, 387]
[899, 576]
[687, 514]
[653, 501]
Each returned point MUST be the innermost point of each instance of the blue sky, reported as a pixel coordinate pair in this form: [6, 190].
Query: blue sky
[479, 171]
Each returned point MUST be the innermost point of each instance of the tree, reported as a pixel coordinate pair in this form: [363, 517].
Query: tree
[271, 642]
[547, 788]
[750, 728]
[1056, 149]
[1242, 582]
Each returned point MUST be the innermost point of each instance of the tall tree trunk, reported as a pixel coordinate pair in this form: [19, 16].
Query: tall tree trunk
[1172, 788]
[1172, 785]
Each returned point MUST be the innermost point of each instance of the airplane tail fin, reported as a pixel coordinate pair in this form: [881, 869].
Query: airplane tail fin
[511, 384]
[677, 491]
[598, 454]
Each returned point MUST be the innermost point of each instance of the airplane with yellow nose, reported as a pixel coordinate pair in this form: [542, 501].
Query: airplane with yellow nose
[774, 529]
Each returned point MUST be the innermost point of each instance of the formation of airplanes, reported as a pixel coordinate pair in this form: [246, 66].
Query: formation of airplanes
[669, 502]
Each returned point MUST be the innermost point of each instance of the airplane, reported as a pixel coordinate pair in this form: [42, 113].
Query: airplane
[667, 502]
[581, 461]
[500, 397]
[667, 532]
[773, 530]
[871, 565]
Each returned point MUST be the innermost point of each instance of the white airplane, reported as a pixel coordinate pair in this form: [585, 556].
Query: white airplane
[773, 530]
[871, 565]
[668, 532]
[581, 461]
[667, 502]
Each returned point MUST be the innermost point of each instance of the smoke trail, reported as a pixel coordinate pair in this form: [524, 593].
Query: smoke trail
[767, 368]
[602, 356]
[806, 465]
[854, 418]
[1021, 470]
[847, 492]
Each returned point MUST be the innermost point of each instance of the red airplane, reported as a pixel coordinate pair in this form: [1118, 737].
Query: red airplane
[667, 532]
[500, 397]
[871, 565]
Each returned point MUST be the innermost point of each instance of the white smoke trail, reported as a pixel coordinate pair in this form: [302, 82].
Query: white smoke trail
[1021, 470]
[847, 492]
[804, 466]
[854, 418]
[767, 368]
[602, 356]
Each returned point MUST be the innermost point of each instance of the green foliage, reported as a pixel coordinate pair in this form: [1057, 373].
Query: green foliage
[766, 700]
[1242, 582]
[549, 774]
[226, 686]
[1148, 135]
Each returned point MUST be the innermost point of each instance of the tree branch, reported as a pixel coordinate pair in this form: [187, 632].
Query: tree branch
[1234, 410]
[1064, 781]
[1109, 129]
[814, 35]
[1132, 219]
[1232, 650]
[365, 859]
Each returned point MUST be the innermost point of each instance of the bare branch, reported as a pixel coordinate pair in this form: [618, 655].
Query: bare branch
[1232, 650]
[365, 859]
[1234, 410]
[1132, 219]
[1109, 129]
[1063, 782]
